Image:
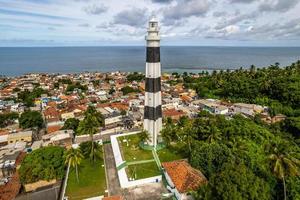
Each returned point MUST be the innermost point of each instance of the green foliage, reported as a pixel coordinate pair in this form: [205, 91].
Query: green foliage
[28, 97]
[210, 157]
[7, 118]
[77, 85]
[143, 136]
[235, 182]
[123, 112]
[72, 124]
[273, 86]
[293, 187]
[92, 112]
[31, 119]
[292, 124]
[90, 125]
[216, 141]
[135, 77]
[111, 91]
[74, 158]
[127, 89]
[86, 149]
[65, 81]
[43, 164]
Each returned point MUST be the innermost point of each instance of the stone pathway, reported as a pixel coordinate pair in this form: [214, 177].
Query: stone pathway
[112, 179]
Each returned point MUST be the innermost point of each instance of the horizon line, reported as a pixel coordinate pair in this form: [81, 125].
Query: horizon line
[78, 46]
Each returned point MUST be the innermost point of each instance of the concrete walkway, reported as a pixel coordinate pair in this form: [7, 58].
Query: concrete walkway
[113, 183]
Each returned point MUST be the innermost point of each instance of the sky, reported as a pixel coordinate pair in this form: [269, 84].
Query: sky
[124, 22]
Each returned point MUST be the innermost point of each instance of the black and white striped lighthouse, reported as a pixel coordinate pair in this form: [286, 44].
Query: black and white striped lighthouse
[153, 110]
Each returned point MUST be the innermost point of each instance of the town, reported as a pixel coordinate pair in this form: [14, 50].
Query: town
[42, 110]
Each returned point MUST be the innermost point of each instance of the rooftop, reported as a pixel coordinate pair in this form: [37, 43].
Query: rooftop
[183, 176]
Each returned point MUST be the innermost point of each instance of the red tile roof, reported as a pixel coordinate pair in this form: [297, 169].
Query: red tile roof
[173, 112]
[52, 129]
[183, 176]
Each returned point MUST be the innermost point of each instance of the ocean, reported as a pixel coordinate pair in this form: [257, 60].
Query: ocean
[16, 61]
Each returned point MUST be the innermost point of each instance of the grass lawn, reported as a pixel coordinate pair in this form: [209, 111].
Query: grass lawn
[169, 154]
[132, 151]
[141, 171]
[92, 181]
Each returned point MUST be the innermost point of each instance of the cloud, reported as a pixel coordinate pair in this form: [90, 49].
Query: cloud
[184, 9]
[219, 13]
[232, 29]
[278, 5]
[162, 1]
[51, 28]
[84, 25]
[242, 1]
[95, 9]
[132, 17]
[236, 18]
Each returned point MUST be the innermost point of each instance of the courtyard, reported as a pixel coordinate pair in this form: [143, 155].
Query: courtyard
[92, 181]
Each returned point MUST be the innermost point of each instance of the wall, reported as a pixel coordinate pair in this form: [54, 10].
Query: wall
[124, 182]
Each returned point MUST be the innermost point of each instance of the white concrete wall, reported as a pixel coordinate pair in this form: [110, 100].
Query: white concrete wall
[123, 178]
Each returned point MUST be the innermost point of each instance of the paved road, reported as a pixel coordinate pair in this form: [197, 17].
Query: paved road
[113, 183]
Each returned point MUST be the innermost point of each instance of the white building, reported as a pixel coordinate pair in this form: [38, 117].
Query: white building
[247, 109]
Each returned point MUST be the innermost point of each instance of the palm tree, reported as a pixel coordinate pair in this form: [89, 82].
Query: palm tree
[214, 135]
[187, 132]
[283, 163]
[90, 125]
[74, 157]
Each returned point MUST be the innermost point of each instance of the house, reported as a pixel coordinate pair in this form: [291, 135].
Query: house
[173, 114]
[8, 159]
[25, 136]
[182, 178]
[247, 109]
[211, 105]
[59, 138]
[113, 121]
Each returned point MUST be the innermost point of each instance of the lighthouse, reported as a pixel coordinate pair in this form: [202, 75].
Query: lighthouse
[153, 110]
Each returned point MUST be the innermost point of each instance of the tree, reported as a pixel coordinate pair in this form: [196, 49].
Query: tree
[292, 125]
[86, 149]
[169, 132]
[91, 111]
[123, 112]
[186, 132]
[127, 89]
[293, 187]
[28, 97]
[144, 136]
[235, 182]
[31, 119]
[46, 163]
[71, 123]
[283, 163]
[111, 91]
[7, 118]
[74, 157]
[135, 77]
[90, 125]
[76, 86]
[210, 158]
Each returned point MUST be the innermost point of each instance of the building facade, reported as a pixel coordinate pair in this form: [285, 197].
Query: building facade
[153, 110]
